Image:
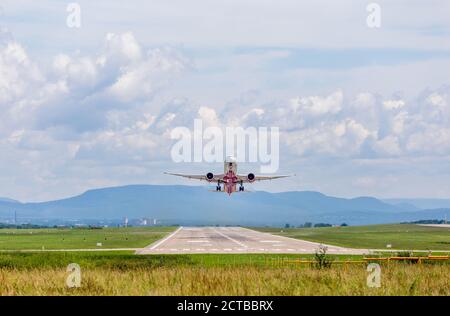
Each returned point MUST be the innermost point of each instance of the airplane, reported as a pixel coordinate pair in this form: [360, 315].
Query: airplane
[229, 178]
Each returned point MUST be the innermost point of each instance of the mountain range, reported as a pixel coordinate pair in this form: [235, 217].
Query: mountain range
[194, 205]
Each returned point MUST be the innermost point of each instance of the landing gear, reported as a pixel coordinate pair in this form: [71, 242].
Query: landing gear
[241, 187]
[218, 187]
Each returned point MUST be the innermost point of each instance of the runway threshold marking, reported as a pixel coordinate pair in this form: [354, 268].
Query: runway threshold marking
[229, 238]
[316, 244]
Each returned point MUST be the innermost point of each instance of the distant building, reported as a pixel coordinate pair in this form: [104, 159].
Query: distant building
[148, 222]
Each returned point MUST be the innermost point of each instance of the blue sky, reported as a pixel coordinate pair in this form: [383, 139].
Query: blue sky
[362, 111]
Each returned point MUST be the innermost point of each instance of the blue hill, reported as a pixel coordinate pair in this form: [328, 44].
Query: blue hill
[196, 205]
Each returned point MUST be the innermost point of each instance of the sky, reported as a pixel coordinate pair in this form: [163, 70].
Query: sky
[362, 111]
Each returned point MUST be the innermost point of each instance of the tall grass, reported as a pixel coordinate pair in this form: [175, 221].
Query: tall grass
[396, 279]
[122, 273]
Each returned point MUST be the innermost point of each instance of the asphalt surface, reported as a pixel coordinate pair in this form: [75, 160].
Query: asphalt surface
[189, 240]
[436, 225]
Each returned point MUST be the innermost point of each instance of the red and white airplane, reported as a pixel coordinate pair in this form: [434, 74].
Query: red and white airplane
[229, 179]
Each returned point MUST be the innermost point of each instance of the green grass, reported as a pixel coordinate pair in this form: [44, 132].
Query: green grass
[77, 238]
[127, 260]
[400, 236]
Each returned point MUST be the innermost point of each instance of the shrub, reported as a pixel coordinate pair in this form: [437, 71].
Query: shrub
[321, 259]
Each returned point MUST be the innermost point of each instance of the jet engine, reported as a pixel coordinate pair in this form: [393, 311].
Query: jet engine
[251, 177]
[209, 176]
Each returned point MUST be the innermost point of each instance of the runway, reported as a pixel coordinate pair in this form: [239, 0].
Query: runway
[436, 225]
[190, 240]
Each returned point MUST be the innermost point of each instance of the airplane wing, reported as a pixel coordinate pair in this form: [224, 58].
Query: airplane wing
[245, 179]
[215, 178]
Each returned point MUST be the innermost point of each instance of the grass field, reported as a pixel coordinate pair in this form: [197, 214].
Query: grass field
[80, 238]
[400, 236]
[127, 260]
[122, 273]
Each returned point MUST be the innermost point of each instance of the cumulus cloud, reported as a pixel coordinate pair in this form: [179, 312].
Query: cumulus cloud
[79, 92]
[17, 73]
[84, 107]
[364, 125]
[148, 75]
[388, 146]
[393, 104]
[317, 105]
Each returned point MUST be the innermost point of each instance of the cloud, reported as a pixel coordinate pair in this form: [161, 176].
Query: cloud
[18, 76]
[94, 108]
[105, 117]
[341, 138]
[317, 105]
[393, 104]
[388, 146]
[80, 92]
[364, 125]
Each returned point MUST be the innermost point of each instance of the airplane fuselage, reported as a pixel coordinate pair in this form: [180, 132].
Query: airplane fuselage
[230, 178]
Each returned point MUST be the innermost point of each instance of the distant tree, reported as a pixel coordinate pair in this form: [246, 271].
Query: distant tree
[426, 221]
[322, 225]
[344, 225]
[287, 226]
[308, 225]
